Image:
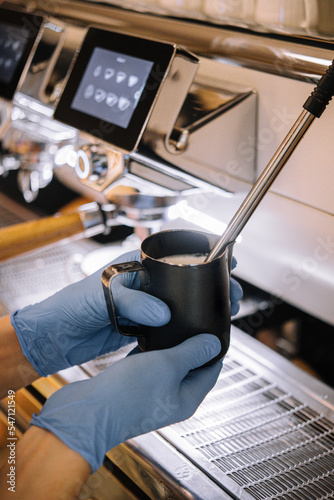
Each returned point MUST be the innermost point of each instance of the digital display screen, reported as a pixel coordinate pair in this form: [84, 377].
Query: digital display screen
[112, 86]
[18, 32]
[12, 43]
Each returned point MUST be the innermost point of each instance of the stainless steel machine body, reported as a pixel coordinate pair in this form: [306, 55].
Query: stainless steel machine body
[266, 429]
[30, 137]
[299, 206]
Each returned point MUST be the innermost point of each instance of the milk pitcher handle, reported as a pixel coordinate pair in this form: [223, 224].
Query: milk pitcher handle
[108, 275]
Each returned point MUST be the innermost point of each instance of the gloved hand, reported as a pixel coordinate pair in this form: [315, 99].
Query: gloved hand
[137, 394]
[73, 326]
[236, 292]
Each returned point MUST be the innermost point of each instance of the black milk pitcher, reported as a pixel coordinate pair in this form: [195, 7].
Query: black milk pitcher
[198, 294]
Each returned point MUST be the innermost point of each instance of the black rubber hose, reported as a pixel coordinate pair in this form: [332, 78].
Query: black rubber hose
[322, 94]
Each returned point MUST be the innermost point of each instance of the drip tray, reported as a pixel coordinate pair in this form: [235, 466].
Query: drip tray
[266, 429]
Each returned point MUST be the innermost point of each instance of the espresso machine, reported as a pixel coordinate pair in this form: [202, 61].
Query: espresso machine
[152, 115]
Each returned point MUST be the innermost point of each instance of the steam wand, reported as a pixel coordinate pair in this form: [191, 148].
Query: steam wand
[313, 108]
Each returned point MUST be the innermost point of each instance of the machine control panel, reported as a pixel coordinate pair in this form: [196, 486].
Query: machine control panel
[18, 34]
[113, 86]
[137, 95]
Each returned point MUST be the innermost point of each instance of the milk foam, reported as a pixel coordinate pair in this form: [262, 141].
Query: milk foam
[184, 259]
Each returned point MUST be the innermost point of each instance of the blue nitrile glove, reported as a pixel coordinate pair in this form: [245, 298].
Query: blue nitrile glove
[73, 326]
[137, 394]
[235, 291]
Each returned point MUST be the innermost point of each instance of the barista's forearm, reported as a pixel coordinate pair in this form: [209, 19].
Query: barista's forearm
[15, 369]
[44, 468]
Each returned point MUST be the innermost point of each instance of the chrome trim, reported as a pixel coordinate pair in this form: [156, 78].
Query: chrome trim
[300, 57]
[92, 219]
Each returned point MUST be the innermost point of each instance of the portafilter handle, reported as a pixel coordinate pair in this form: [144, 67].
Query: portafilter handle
[90, 219]
[27, 236]
[314, 106]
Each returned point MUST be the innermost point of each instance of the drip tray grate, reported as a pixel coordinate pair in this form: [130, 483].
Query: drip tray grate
[259, 437]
